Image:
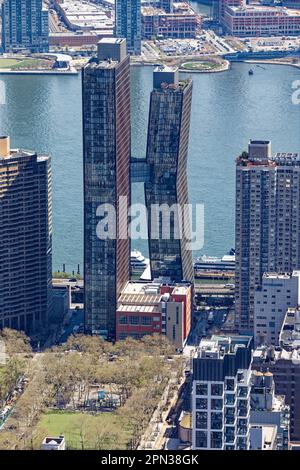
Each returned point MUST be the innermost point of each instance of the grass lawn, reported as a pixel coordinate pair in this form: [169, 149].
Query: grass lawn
[75, 425]
[7, 63]
[200, 65]
[26, 64]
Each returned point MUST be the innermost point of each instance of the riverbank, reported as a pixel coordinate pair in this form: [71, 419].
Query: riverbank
[190, 64]
[38, 72]
[274, 62]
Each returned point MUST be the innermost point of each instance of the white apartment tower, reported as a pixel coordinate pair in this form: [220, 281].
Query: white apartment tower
[278, 293]
[267, 222]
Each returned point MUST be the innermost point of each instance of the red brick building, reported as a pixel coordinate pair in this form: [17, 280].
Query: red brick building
[144, 309]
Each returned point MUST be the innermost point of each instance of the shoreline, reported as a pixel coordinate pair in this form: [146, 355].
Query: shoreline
[37, 72]
[272, 62]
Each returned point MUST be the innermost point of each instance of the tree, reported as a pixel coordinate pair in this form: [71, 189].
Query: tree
[16, 342]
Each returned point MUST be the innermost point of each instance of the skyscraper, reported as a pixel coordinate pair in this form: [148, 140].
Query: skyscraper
[25, 25]
[25, 239]
[106, 142]
[267, 222]
[220, 394]
[166, 158]
[128, 24]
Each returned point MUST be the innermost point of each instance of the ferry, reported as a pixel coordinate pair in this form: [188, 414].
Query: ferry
[137, 261]
[211, 267]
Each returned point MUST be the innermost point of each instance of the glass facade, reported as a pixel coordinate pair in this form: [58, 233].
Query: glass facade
[106, 134]
[167, 149]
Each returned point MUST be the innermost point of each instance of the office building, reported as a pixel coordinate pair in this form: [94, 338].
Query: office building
[285, 367]
[106, 144]
[160, 307]
[268, 410]
[267, 222]
[25, 239]
[128, 24]
[278, 292]
[166, 158]
[25, 26]
[221, 393]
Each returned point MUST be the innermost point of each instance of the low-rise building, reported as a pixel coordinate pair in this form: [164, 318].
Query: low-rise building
[221, 393]
[258, 20]
[157, 307]
[181, 22]
[54, 443]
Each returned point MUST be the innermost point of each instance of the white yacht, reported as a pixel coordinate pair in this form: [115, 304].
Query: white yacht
[137, 261]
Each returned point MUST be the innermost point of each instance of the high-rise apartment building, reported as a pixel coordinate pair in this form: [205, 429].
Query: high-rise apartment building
[278, 293]
[221, 393]
[25, 239]
[267, 222]
[166, 158]
[128, 24]
[106, 141]
[25, 25]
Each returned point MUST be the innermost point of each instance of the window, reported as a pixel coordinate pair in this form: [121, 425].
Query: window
[229, 385]
[134, 320]
[201, 439]
[217, 389]
[216, 440]
[201, 389]
[216, 420]
[123, 320]
[201, 403]
[216, 404]
[201, 420]
[146, 320]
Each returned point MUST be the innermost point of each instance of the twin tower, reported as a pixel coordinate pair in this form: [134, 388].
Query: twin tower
[109, 171]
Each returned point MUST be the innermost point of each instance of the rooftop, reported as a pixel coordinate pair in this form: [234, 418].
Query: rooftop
[218, 346]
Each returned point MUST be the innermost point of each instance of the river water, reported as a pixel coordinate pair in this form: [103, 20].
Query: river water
[43, 113]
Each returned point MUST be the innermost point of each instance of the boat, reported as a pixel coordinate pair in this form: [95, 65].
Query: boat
[250, 72]
[211, 267]
[137, 261]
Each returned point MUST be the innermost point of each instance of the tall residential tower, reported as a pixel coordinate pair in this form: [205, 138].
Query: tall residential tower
[267, 222]
[128, 24]
[166, 158]
[25, 25]
[25, 239]
[106, 142]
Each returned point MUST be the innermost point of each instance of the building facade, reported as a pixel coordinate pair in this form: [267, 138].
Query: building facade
[221, 393]
[285, 367]
[257, 21]
[25, 239]
[166, 190]
[278, 292]
[25, 25]
[178, 23]
[159, 307]
[106, 143]
[128, 24]
[268, 409]
[267, 222]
